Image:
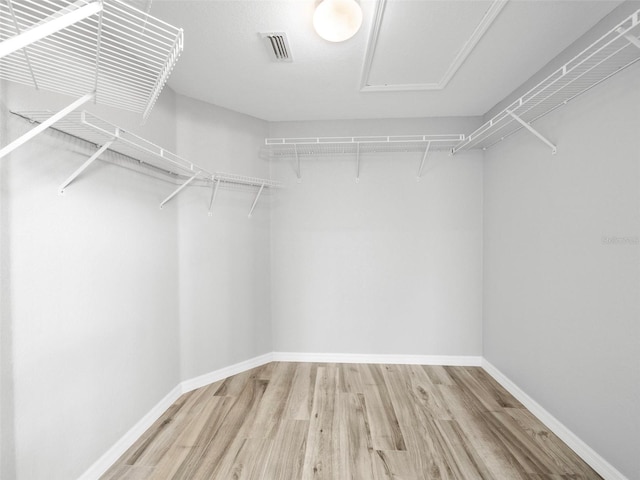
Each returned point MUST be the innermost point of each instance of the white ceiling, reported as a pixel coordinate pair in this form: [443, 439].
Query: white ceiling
[419, 42]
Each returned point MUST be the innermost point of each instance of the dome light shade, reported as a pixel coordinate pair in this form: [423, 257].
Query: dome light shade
[337, 20]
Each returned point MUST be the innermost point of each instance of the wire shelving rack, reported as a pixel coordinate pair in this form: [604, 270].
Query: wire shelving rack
[109, 137]
[618, 49]
[325, 146]
[302, 148]
[105, 51]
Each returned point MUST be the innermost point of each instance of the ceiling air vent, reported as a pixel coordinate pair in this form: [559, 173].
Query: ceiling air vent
[278, 46]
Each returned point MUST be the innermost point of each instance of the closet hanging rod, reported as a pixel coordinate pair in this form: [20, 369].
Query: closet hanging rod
[610, 54]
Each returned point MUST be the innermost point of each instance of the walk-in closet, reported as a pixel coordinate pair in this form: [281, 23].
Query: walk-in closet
[319, 239]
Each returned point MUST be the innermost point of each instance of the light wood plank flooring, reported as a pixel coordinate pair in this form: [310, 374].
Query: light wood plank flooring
[291, 421]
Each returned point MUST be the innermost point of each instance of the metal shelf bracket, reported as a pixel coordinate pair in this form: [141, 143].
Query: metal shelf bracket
[256, 200]
[84, 166]
[45, 124]
[180, 188]
[424, 158]
[533, 130]
[214, 194]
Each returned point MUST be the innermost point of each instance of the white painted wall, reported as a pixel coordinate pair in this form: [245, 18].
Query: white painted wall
[562, 266]
[7, 444]
[386, 266]
[224, 259]
[89, 302]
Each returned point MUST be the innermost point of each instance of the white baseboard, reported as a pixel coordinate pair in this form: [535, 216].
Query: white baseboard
[121, 446]
[595, 461]
[461, 360]
[105, 462]
[225, 372]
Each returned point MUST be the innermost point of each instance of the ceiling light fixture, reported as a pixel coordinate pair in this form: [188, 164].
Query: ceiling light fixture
[337, 20]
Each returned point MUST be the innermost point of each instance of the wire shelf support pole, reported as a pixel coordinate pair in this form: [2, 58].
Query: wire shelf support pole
[84, 166]
[255, 202]
[180, 188]
[48, 28]
[533, 130]
[214, 194]
[46, 124]
[424, 158]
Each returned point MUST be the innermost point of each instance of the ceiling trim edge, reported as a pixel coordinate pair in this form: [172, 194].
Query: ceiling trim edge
[378, 15]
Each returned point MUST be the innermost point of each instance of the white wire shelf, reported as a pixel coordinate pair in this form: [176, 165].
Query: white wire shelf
[88, 127]
[328, 146]
[233, 179]
[108, 47]
[109, 137]
[616, 50]
[303, 148]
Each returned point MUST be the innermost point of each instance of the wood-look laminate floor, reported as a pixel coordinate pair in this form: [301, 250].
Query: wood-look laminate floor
[292, 421]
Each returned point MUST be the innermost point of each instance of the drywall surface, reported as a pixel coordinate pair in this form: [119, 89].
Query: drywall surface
[385, 266]
[89, 291]
[562, 266]
[224, 258]
[7, 438]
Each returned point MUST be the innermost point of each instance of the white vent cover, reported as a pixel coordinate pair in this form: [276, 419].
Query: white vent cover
[278, 46]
